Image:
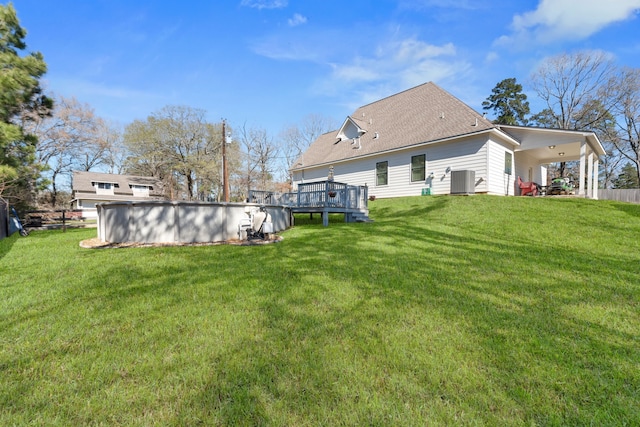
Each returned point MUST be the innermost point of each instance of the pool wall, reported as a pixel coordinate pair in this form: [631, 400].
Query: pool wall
[178, 221]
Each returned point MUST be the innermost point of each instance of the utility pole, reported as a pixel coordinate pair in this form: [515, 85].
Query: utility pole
[225, 172]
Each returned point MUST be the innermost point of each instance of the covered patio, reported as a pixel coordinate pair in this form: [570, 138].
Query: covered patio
[540, 147]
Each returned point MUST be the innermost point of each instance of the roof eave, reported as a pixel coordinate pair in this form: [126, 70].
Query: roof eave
[591, 138]
[392, 150]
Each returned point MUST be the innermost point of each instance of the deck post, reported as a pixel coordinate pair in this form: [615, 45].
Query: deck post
[347, 197]
[366, 195]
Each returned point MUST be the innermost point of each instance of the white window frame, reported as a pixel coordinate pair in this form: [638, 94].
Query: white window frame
[386, 173]
[424, 168]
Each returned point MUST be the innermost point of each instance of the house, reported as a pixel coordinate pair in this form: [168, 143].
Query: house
[90, 188]
[416, 141]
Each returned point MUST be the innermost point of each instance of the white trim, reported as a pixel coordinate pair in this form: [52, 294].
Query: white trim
[583, 159]
[496, 131]
[590, 176]
[340, 134]
[590, 137]
[595, 175]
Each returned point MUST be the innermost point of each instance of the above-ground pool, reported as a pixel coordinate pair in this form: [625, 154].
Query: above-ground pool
[180, 221]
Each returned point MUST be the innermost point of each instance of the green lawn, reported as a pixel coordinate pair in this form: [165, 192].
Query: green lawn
[445, 311]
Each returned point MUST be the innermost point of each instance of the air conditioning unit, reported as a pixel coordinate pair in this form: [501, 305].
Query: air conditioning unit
[463, 182]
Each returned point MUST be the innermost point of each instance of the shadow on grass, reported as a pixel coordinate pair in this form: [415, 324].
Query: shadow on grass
[7, 243]
[371, 324]
[628, 208]
[531, 359]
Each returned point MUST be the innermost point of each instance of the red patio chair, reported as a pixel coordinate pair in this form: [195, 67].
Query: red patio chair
[527, 188]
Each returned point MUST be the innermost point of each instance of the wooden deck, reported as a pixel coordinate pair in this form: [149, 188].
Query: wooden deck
[322, 197]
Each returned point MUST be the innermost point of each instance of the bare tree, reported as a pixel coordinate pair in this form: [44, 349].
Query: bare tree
[177, 145]
[260, 154]
[184, 132]
[68, 139]
[568, 84]
[248, 175]
[295, 139]
[627, 111]
[147, 156]
[576, 89]
[116, 153]
[264, 152]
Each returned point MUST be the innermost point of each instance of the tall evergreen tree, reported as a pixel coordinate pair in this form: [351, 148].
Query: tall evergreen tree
[508, 102]
[627, 178]
[21, 98]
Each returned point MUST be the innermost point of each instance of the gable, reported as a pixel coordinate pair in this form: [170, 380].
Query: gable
[350, 130]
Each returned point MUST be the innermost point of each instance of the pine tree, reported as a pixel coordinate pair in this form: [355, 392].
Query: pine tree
[21, 97]
[627, 178]
[508, 101]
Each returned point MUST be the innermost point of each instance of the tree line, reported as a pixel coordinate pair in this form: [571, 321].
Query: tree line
[44, 137]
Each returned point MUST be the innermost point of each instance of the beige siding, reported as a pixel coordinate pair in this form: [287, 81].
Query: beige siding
[528, 168]
[465, 154]
[310, 175]
[499, 183]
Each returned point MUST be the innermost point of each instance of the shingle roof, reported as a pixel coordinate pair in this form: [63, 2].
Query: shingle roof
[83, 182]
[422, 114]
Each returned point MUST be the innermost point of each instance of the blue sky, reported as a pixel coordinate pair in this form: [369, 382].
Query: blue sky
[270, 63]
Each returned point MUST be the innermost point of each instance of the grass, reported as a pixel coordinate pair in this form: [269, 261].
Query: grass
[446, 310]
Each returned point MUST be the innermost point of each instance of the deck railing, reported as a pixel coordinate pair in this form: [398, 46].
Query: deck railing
[319, 194]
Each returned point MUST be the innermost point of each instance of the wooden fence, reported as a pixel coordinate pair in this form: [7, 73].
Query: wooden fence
[60, 218]
[629, 196]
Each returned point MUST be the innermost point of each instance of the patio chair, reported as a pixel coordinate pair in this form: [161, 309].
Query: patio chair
[527, 188]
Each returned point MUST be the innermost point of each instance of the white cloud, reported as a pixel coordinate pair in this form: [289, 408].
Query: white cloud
[491, 57]
[265, 4]
[297, 19]
[274, 47]
[88, 89]
[308, 45]
[447, 4]
[392, 67]
[556, 20]
[115, 103]
[410, 59]
[363, 72]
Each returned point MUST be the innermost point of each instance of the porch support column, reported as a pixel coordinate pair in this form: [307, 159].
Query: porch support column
[583, 159]
[590, 176]
[596, 180]
[543, 174]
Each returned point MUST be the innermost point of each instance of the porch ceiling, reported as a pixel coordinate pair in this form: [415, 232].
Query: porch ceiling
[559, 153]
[554, 145]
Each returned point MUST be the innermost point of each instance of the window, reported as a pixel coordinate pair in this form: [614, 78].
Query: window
[508, 163]
[140, 190]
[136, 187]
[104, 187]
[382, 173]
[418, 168]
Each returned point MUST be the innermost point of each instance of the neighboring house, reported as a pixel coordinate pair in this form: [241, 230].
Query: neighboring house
[90, 188]
[413, 142]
